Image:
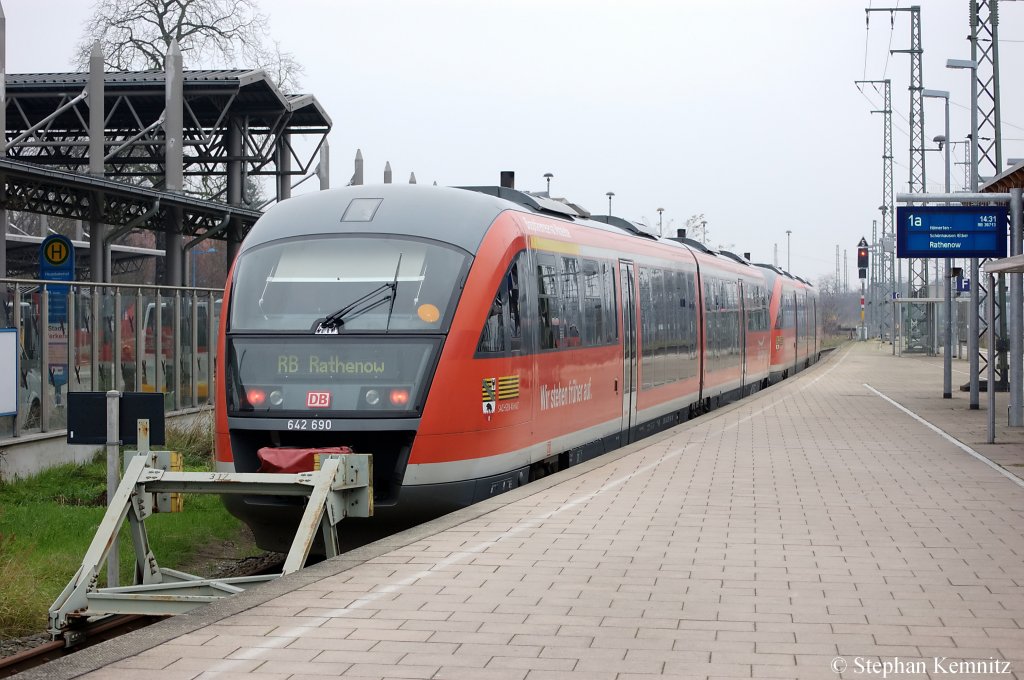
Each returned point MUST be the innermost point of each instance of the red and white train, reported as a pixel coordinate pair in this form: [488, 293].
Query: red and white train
[473, 339]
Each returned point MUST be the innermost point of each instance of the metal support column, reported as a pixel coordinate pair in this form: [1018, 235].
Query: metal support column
[284, 167]
[1016, 315]
[990, 307]
[113, 475]
[235, 178]
[97, 230]
[323, 169]
[174, 160]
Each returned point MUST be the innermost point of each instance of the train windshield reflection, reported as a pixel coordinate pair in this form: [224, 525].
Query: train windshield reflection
[294, 284]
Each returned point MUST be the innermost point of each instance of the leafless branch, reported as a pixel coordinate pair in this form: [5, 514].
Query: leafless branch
[135, 35]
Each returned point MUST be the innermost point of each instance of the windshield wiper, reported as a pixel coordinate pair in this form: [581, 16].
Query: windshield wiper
[332, 322]
[394, 293]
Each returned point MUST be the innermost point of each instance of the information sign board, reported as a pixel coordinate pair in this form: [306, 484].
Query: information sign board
[57, 263]
[951, 231]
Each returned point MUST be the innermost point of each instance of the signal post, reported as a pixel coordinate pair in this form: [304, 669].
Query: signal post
[862, 273]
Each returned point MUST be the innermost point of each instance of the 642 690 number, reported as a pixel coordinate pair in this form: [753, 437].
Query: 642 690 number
[309, 424]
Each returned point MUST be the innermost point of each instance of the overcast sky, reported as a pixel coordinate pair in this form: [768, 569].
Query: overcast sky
[744, 111]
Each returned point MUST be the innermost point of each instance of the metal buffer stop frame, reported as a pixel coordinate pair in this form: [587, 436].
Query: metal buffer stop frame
[342, 486]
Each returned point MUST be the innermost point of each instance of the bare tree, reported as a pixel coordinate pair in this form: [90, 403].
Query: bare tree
[134, 35]
[697, 228]
[839, 310]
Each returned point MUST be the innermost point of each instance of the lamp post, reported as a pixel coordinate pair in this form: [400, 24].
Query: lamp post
[195, 253]
[609, 195]
[947, 354]
[660, 210]
[548, 176]
[789, 267]
[972, 332]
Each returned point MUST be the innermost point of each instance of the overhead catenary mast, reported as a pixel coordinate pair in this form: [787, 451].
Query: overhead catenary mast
[918, 327]
[984, 22]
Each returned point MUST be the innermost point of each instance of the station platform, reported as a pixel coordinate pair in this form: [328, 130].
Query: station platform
[844, 523]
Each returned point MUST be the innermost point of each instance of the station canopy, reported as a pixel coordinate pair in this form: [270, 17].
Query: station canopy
[48, 142]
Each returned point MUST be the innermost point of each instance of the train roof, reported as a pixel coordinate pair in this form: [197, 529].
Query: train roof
[778, 271]
[442, 213]
[457, 215]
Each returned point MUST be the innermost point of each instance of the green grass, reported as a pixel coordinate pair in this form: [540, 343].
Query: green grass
[48, 521]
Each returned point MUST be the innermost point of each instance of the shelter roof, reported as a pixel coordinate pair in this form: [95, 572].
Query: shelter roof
[252, 92]
[1011, 178]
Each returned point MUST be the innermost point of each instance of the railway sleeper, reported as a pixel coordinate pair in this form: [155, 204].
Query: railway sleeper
[341, 487]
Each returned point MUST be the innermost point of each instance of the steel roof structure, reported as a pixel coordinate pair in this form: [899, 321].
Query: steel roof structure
[234, 124]
[74, 196]
[48, 121]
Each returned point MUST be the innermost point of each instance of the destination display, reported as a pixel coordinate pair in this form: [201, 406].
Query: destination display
[321, 373]
[951, 231]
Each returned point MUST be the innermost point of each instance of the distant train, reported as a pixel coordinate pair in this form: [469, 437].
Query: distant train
[474, 339]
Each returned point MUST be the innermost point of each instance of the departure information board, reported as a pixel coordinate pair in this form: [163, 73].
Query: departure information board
[951, 231]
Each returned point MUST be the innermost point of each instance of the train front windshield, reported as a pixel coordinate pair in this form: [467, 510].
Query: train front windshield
[338, 325]
[347, 283]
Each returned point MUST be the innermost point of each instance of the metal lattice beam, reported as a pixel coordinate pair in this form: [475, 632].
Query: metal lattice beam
[984, 20]
[47, 122]
[73, 196]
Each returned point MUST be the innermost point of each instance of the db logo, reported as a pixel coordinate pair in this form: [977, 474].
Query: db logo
[318, 399]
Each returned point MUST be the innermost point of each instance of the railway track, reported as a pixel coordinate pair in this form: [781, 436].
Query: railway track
[111, 627]
[94, 633]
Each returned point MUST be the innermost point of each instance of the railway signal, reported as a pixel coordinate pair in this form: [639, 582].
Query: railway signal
[862, 259]
[862, 273]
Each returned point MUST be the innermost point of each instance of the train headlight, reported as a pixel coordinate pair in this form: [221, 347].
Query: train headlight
[372, 397]
[276, 398]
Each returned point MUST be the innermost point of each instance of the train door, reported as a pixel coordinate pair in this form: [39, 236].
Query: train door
[629, 349]
[796, 332]
[742, 295]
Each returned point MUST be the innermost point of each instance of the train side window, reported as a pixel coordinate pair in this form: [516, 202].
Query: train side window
[646, 329]
[593, 304]
[515, 319]
[503, 330]
[570, 322]
[548, 308]
[676, 297]
[611, 326]
[660, 323]
[755, 305]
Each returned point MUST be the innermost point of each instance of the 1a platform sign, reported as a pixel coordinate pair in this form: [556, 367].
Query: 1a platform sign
[951, 231]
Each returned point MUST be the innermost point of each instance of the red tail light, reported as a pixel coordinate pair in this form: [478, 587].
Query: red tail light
[256, 396]
[399, 397]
